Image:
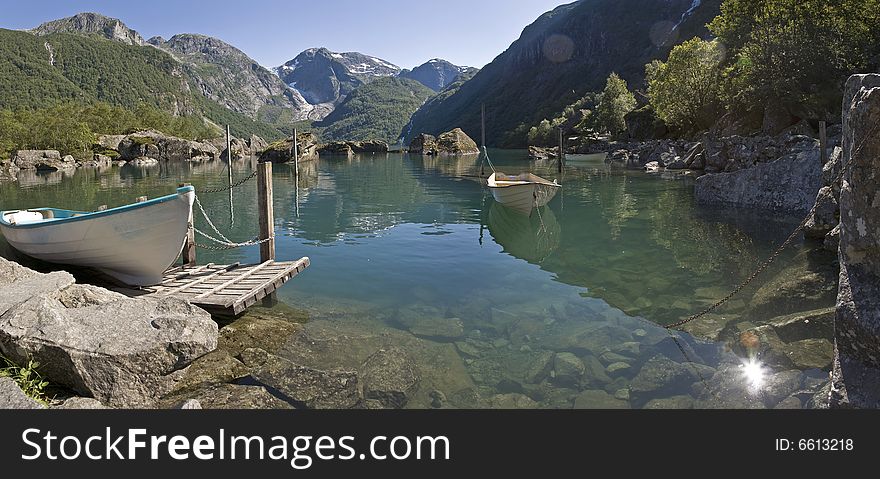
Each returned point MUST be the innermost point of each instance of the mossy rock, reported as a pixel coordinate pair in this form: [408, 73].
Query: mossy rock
[141, 140]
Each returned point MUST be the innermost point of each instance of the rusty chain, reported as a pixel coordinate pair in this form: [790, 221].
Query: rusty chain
[785, 244]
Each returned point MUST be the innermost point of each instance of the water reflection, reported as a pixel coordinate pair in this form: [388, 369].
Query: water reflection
[532, 238]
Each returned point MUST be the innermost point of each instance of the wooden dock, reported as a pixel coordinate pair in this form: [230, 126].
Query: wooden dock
[225, 290]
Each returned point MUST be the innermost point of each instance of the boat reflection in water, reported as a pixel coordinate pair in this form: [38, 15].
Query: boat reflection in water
[531, 238]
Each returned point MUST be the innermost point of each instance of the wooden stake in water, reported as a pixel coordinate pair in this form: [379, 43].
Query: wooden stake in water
[296, 152]
[229, 174]
[482, 135]
[823, 142]
[561, 151]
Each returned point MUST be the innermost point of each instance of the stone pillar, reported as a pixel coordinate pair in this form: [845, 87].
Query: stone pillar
[856, 374]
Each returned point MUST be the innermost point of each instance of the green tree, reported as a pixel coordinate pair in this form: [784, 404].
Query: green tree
[612, 105]
[684, 90]
[796, 52]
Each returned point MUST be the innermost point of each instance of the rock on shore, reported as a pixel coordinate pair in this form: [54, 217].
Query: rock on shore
[856, 372]
[353, 147]
[282, 151]
[788, 184]
[455, 142]
[125, 352]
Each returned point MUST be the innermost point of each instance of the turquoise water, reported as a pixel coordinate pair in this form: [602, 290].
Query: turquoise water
[396, 241]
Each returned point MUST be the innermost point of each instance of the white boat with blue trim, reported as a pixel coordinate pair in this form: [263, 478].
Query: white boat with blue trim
[134, 243]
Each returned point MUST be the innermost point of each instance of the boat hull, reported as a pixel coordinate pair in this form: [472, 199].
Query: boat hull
[134, 244]
[524, 197]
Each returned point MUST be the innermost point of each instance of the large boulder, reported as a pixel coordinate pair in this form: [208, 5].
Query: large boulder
[787, 184]
[125, 352]
[424, 144]
[44, 160]
[456, 142]
[282, 151]
[12, 397]
[856, 372]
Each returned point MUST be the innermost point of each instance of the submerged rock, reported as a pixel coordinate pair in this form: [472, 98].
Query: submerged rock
[568, 369]
[597, 399]
[444, 329]
[230, 396]
[390, 377]
[660, 376]
[511, 401]
[809, 282]
[311, 388]
[672, 402]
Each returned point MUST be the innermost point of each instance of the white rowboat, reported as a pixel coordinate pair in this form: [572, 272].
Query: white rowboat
[523, 192]
[134, 243]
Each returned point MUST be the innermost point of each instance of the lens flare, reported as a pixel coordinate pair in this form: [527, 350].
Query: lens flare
[753, 372]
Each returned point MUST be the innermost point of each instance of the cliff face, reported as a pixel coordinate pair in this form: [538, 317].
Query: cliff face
[561, 56]
[92, 23]
[856, 373]
[228, 76]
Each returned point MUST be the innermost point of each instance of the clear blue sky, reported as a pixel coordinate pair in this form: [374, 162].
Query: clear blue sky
[406, 33]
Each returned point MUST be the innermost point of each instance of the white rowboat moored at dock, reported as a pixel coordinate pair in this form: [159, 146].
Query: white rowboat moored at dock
[134, 243]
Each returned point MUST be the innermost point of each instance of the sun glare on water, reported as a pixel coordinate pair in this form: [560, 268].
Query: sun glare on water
[754, 373]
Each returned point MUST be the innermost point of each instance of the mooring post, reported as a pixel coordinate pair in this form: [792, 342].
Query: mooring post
[189, 245]
[296, 152]
[561, 151]
[823, 143]
[482, 136]
[266, 219]
[229, 155]
[266, 213]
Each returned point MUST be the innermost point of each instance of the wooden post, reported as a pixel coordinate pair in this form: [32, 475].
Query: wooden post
[823, 143]
[266, 213]
[189, 244]
[482, 136]
[561, 151]
[296, 152]
[229, 154]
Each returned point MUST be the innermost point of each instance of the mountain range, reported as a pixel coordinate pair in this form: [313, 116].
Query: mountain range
[564, 54]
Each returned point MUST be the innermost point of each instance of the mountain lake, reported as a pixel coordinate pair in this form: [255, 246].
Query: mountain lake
[494, 309]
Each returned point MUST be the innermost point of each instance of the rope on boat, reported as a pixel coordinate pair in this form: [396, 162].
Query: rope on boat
[486, 155]
[785, 244]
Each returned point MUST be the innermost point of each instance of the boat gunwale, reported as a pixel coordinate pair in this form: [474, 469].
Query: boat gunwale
[86, 215]
[543, 181]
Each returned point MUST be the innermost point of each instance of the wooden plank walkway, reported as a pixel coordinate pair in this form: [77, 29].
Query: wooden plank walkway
[224, 289]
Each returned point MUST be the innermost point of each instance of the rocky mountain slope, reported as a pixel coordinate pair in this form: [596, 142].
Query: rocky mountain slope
[326, 78]
[229, 77]
[562, 55]
[437, 74]
[92, 24]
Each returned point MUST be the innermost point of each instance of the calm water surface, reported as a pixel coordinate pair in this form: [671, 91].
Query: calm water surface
[547, 311]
